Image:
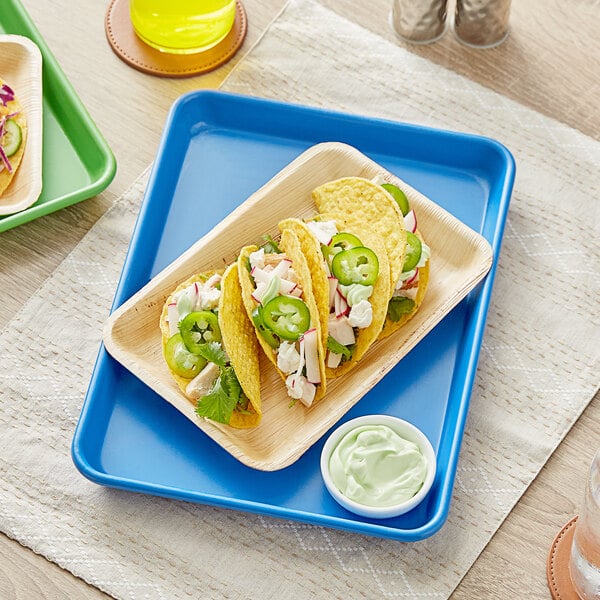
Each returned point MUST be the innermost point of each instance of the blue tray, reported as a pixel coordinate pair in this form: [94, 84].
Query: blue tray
[216, 150]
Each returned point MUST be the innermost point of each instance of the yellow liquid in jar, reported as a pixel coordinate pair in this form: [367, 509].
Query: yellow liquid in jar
[182, 26]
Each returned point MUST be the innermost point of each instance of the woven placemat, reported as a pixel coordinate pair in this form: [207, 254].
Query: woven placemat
[541, 326]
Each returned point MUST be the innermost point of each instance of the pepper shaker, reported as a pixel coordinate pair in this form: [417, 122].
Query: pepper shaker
[419, 21]
[482, 23]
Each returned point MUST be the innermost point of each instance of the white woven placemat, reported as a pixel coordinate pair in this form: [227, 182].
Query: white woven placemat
[539, 366]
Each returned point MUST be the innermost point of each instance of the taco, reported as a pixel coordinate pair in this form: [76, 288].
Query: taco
[385, 208]
[351, 285]
[411, 285]
[278, 296]
[211, 349]
[13, 135]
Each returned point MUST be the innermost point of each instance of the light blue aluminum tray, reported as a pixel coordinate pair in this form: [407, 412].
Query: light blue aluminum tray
[216, 150]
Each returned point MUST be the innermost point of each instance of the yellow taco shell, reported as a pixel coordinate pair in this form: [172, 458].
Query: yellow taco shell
[290, 244]
[381, 289]
[392, 326]
[362, 203]
[14, 106]
[239, 341]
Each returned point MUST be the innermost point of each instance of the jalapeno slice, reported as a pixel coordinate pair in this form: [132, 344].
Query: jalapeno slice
[398, 195]
[287, 317]
[345, 241]
[181, 360]
[356, 265]
[413, 252]
[264, 331]
[339, 242]
[199, 328]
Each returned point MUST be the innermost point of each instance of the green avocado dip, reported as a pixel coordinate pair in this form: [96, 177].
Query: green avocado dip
[374, 466]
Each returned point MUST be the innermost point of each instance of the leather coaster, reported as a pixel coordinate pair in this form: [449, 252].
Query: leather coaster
[129, 48]
[557, 567]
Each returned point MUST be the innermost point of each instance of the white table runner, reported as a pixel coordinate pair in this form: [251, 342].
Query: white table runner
[538, 369]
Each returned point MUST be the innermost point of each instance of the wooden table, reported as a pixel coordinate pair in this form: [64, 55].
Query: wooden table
[551, 63]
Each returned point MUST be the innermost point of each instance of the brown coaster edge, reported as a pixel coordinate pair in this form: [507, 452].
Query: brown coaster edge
[557, 566]
[129, 48]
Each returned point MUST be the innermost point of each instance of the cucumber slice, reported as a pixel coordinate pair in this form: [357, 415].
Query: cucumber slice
[12, 138]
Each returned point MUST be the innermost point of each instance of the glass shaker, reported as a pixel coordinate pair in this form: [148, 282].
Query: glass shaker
[585, 551]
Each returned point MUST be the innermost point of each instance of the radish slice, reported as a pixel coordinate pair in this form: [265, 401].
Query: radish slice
[282, 268]
[413, 279]
[287, 287]
[332, 289]
[260, 290]
[173, 317]
[298, 374]
[341, 307]
[311, 356]
[261, 275]
[410, 221]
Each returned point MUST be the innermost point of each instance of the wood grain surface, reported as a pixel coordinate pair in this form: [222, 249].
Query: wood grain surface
[550, 62]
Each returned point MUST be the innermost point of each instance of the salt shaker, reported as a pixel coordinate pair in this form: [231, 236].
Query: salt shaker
[584, 565]
[419, 21]
[482, 23]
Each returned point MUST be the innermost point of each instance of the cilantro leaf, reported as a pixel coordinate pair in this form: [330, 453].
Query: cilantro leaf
[338, 348]
[270, 246]
[213, 352]
[216, 405]
[230, 383]
[398, 306]
[223, 398]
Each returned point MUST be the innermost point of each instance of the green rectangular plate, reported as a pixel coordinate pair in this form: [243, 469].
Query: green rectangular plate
[77, 161]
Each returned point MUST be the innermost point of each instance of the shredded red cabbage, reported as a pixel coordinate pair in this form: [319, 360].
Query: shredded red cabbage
[6, 94]
[3, 157]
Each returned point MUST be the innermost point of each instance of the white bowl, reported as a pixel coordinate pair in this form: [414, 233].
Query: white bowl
[405, 430]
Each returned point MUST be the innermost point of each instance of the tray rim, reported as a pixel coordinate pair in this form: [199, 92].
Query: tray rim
[52, 73]
[477, 320]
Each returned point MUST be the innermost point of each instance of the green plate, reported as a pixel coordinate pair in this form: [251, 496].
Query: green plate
[77, 162]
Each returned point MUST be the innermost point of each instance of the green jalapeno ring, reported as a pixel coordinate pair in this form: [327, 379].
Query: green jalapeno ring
[414, 248]
[339, 242]
[345, 241]
[287, 317]
[180, 360]
[199, 328]
[398, 195]
[263, 330]
[356, 265]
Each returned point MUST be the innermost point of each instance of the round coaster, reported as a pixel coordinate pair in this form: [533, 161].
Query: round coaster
[129, 48]
[557, 567]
